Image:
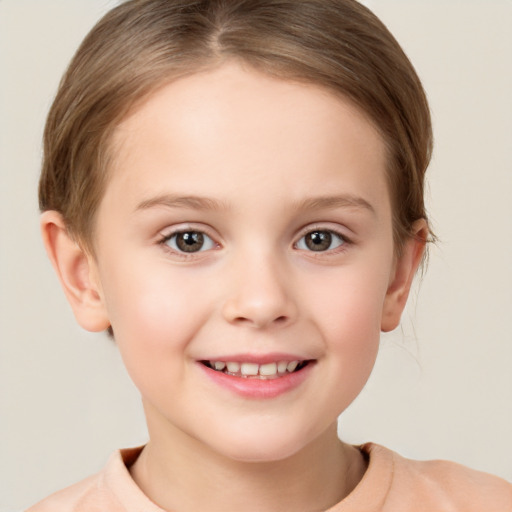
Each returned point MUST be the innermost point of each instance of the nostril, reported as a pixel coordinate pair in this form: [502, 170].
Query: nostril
[241, 319]
[258, 309]
[279, 320]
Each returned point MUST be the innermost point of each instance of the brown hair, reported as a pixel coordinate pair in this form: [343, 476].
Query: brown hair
[143, 44]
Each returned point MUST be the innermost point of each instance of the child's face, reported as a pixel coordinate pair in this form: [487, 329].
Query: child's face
[278, 192]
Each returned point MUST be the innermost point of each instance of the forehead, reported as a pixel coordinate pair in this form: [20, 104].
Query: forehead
[235, 127]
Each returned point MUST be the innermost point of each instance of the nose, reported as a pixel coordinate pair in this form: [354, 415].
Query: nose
[260, 295]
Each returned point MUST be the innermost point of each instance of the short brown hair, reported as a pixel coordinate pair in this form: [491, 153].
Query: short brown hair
[143, 44]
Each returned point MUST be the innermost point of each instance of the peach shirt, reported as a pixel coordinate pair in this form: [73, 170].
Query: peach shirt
[390, 484]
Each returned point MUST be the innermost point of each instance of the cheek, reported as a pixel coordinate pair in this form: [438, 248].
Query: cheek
[152, 310]
[347, 309]
[350, 300]
[153, 324]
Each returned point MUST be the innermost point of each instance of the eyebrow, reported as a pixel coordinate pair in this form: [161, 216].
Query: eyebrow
[174, 201]
[209, 204]
[331, 202]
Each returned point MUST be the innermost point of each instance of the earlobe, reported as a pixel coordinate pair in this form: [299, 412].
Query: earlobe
[401, 280]
[75, 269]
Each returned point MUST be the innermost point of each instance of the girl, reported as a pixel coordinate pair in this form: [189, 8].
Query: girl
[234, 190]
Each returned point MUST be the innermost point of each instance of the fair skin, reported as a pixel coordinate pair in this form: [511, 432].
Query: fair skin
[280, 188]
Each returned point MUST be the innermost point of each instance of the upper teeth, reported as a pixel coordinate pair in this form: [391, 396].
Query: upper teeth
[255, 369]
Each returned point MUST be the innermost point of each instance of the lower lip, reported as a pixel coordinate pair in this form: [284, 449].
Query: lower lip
[258, 388]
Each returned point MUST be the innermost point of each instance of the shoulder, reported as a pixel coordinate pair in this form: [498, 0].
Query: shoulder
[72, 499]
[111, 489]
[443, 486]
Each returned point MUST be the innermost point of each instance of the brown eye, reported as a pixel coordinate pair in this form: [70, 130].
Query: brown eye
[190, 241]
[320, 240]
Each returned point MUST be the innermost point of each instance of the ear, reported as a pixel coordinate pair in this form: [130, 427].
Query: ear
[402, 276]
[76, 271]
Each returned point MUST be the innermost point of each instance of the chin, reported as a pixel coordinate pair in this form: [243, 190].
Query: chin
[260, 448]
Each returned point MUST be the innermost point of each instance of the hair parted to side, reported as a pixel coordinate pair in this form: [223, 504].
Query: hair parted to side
[143, 44]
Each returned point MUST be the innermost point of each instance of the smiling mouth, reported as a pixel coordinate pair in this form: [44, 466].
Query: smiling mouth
[257, 371]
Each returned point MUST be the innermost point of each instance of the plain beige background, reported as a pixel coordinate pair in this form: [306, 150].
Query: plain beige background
[443, 385]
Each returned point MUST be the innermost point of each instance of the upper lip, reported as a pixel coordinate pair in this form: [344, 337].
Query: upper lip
[273, 357]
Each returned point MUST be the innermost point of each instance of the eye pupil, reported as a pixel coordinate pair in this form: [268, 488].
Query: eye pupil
[318, 240]
[190, 241]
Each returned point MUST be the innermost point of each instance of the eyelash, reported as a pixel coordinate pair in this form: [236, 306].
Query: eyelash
[344, 241]
[165, 239]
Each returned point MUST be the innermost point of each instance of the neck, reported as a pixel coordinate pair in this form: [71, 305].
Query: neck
[183, 476]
